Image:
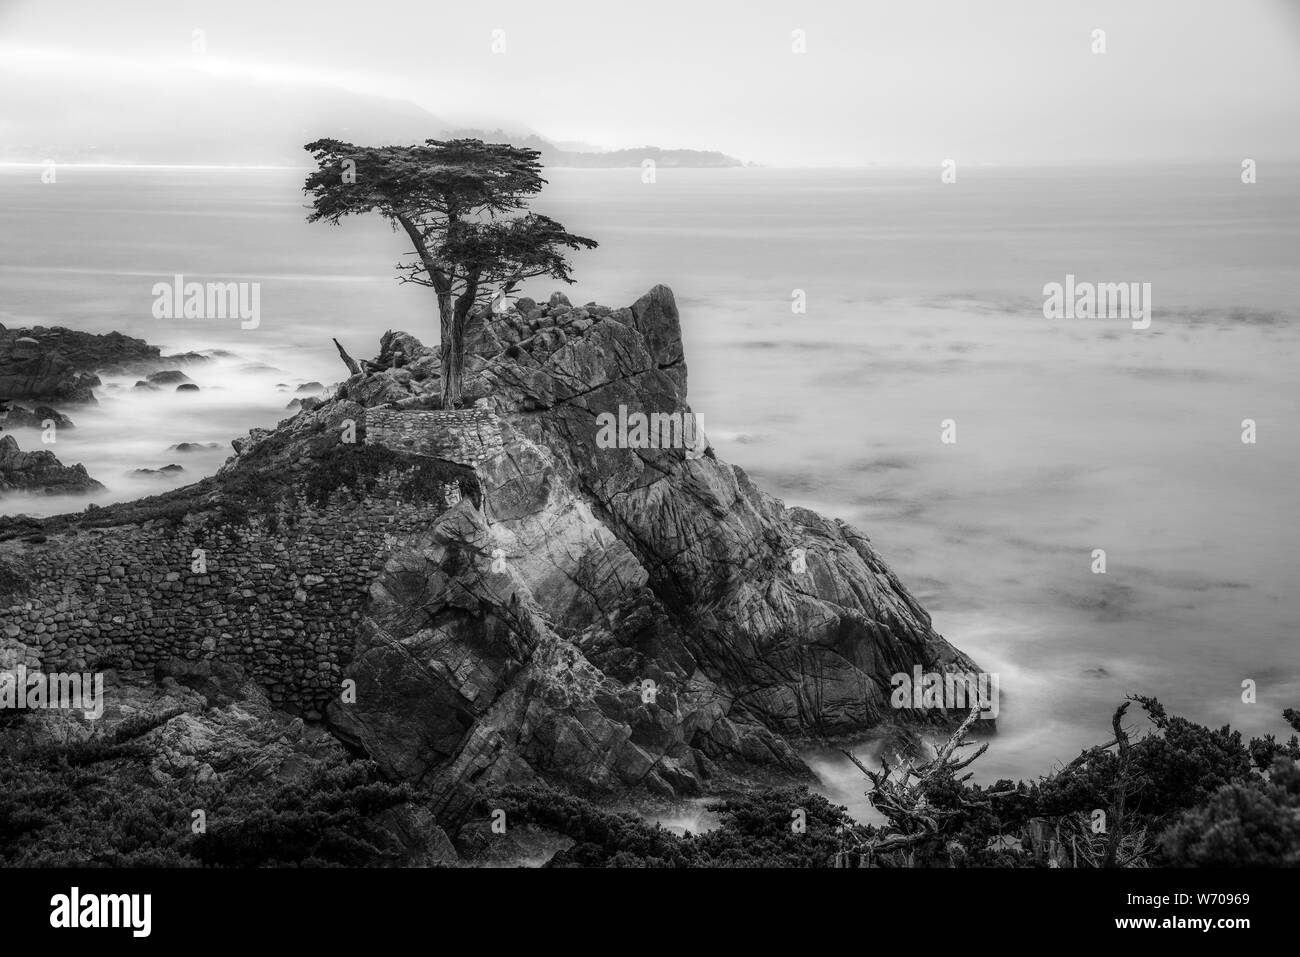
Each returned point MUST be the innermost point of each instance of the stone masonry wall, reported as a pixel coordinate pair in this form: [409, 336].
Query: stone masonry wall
[280, 596]
[465, 436]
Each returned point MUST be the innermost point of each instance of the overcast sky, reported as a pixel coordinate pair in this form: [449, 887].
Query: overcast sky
[908, 81]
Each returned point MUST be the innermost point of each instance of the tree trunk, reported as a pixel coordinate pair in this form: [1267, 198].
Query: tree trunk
[453, 351]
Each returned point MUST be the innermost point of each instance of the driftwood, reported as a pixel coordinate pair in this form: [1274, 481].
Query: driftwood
[1118, 845]
[902, 794]
[358, 367]
[1121, 787]
[348, 361]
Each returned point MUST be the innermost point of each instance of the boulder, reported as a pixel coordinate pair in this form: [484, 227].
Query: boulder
[193, 447]
[21, 418]
[164, 472]
[40, 472]
[168, 377]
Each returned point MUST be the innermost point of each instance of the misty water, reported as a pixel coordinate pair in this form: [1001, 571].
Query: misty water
[924, 303]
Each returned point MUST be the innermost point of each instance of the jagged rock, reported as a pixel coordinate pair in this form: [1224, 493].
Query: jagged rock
[21, 418]
[310, 388]
[625, 565]
[244, 444]
[39, 472]
[398, 349]
[600, 617]
[370, 389]
[59, 365]
[191, 358]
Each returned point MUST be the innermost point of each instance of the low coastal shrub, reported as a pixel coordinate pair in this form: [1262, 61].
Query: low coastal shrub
[96, 805]
[1183, 795]
[757, 830]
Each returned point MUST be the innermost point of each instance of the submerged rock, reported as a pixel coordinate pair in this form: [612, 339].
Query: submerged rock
[168, 377]
[22, 418]
[193, 447]
[166, 470]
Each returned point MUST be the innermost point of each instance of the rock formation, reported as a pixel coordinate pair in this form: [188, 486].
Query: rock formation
[59, 365]
[36, 418]
[492, 594]
[39, 472]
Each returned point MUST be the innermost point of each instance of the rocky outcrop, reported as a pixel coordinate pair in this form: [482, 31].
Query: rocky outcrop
[59, 365]
[539, 602]
[204, 727]
[615, 617]
[39, 472]
[36, 418]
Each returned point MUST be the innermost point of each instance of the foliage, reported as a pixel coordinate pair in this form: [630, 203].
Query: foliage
[1105, 808]
[1249, 824]
[1181, 795]
[456, 202]
[95, 804]
[756, 831]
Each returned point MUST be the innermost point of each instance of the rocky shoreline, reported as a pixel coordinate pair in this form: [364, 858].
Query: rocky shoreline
[43, 369]
[484, 596]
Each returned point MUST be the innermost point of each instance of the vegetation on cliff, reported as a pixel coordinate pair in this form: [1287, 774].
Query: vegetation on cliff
[1182, 796]
[95, 804]
[455, 200]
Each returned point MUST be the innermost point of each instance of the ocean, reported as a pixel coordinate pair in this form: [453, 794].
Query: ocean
[924, 303]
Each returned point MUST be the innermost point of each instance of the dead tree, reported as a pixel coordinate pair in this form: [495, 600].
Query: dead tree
[902, 794]
[348, 361]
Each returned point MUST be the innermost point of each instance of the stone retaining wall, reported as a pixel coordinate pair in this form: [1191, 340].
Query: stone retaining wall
[465, 436]
[280, 596]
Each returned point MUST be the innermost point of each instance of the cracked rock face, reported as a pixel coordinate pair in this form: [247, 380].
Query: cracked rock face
[615, 617]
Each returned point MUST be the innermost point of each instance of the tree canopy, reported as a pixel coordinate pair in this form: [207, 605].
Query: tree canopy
[462, 203]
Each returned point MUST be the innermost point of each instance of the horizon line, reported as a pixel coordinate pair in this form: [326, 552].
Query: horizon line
[981, 164]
